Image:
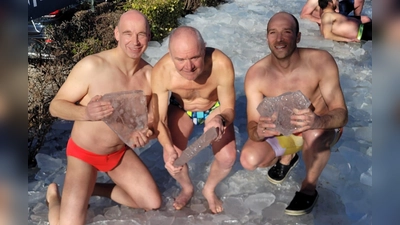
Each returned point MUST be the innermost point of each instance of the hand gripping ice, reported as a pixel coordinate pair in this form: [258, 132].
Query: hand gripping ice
[201, 143]
[283, 106]
[129, 115]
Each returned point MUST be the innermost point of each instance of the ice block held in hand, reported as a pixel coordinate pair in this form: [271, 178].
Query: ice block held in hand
[201, 143]
[129, 115]
[283, 106]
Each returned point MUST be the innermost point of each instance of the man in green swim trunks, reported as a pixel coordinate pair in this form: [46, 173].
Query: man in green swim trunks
[338, 27]
[311, 11]
[201, 82]
[287, 69]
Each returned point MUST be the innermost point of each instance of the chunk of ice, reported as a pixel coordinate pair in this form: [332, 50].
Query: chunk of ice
[129, 115]
[283, 106]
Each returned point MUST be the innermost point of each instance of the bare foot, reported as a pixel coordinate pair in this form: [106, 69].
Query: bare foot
[52, 195]
[214, 202]
[182, 199]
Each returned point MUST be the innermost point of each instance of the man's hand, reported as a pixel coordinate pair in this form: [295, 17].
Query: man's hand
[266, 127]
[303, 119]
[140, 138]
[170, 155]
[218, 122]
[97, 110]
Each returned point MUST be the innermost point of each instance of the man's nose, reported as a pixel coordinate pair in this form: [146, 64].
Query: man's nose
[279, 37]
[188, 64]
[135, 39]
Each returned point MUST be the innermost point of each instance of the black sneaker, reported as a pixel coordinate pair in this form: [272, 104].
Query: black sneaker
[278, 172]
[301, 204]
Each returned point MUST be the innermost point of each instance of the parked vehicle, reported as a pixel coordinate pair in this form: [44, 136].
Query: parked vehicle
[39, 43]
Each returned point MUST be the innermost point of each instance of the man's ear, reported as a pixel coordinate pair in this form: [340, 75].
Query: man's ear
[116, 33]
[298, 38]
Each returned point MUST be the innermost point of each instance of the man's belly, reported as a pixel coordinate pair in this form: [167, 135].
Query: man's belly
[96, 137]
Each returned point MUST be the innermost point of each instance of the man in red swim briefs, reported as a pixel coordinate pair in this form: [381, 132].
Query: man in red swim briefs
[93, 146]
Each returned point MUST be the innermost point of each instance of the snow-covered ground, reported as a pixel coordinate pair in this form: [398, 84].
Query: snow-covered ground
[238, 29]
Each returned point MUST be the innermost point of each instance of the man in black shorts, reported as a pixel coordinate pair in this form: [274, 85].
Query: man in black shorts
[338, 27]
[312, 11]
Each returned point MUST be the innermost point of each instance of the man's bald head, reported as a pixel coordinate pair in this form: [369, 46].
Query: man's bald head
[282, 15]
[184, 33]
[133, 15]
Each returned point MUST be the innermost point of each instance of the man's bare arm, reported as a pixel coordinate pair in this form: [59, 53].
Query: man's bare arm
[74, 89]
[254, 97]
[308, 9]
[332, 94]
[161, 93]
[226, 88]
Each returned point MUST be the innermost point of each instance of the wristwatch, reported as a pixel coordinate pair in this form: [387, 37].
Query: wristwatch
[223, 120]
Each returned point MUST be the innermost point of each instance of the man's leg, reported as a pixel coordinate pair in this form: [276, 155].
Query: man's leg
[79, 182]
[181, 126]
[225, 155]
[134, 186]
[53, 199]
[316, 153]
[285, 159]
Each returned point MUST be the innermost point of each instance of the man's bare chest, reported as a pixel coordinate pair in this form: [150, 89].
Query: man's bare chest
[193, 91]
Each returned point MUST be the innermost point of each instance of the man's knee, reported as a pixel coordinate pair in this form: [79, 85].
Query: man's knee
[148, 202]
[249, 160]
[318, 139]
[153, 203]
[365, 19]
[227, 159]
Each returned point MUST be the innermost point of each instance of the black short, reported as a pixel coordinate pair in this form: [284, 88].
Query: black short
[367, 32]
[346, 6]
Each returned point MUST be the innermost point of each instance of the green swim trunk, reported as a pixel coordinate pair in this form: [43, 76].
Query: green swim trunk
[197, 117]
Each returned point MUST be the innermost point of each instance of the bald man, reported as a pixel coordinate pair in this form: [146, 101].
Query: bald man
[287, 69]
[201, 82]
[93, 146]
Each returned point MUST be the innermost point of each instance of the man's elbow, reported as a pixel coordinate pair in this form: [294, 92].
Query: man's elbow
[345, 119]
[51, 109]
[327, 35]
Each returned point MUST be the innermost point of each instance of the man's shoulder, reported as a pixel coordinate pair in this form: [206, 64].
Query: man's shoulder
[260, 67]
[312, 4]
[145, 66]
[214, 52]
[316, 56]
[325, 15]
[91, 61]
[163, 61]
[313, 52]
[217, 55]
[100, 57]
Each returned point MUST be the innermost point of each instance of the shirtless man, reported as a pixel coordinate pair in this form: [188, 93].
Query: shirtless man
[288, 68]
[337, 27]
[93, 145]
[312, 11]
[201, 82]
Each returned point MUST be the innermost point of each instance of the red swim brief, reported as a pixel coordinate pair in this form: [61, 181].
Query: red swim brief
[102, 163]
